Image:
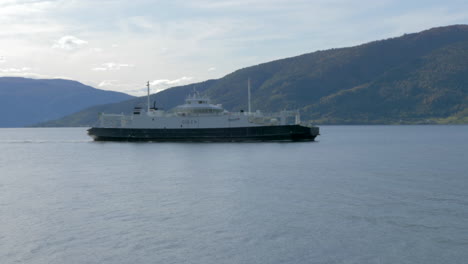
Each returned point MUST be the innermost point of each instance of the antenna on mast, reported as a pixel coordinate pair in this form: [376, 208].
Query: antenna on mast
[248, 91]
[148, 104]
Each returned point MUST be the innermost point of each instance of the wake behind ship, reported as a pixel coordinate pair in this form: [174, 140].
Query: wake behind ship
[199, 120]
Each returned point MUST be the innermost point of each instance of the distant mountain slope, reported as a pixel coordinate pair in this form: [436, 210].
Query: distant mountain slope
[420, 77]
[25, 102]
[434, 87]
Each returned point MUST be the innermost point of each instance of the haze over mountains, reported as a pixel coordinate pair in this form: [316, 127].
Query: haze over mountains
[415, 78]
[24, 102]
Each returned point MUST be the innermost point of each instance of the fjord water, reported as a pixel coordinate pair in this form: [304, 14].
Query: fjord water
[360, 194]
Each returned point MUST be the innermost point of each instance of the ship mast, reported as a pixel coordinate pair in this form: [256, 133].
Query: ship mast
[148, 85]
[248, 91]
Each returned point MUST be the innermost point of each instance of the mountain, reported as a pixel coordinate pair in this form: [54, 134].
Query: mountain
[416, 78]
[25, 102]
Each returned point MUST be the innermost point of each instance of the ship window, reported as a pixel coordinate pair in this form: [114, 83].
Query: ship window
[200, 102]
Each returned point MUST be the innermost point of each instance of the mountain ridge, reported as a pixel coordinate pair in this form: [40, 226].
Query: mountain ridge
[29, 101]
[415, 78]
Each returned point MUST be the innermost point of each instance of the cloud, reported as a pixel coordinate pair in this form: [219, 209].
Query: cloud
[23, 8]
[163, 84]
[112, 66]
[28, 29]
[25, 18]
[115, 85]
[95, 49]
[171, 82]
[107, 83]
[125, 87]
[139, 24]
[212, 69]
[26, 73]
[14, 70]
[140, 89]
[69, 43]
[2, 59]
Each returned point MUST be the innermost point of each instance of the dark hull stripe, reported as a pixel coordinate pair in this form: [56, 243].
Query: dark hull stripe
[263, 133]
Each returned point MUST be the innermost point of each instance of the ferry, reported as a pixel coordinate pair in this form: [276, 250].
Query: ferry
[198, 120]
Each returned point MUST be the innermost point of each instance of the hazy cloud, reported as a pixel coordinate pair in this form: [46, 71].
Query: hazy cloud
[138, 23]
[14, 70]
[69, 43]
[112, 66]
[125, 87]
[27, 17]
[23, 8]
[162, 84]
[2, 59]
[171, 82]
[114, 85]
[212, 69]
[26, 73]
[107, 83]
[95, 49]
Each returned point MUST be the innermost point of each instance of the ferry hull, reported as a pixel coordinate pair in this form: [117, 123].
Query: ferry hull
[260, 133]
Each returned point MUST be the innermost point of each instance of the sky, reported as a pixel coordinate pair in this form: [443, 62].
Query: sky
[119, 45]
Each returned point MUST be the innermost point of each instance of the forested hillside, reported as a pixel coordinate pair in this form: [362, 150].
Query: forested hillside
[415, 78]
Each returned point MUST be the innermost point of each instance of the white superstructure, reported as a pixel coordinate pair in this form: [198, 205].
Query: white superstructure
[197, 112]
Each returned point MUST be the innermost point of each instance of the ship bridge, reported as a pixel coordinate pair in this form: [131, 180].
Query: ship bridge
[196, 105]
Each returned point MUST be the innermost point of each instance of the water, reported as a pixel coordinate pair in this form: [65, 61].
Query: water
[361, 194]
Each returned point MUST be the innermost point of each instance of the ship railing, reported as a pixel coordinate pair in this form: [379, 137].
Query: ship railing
[286, 117]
